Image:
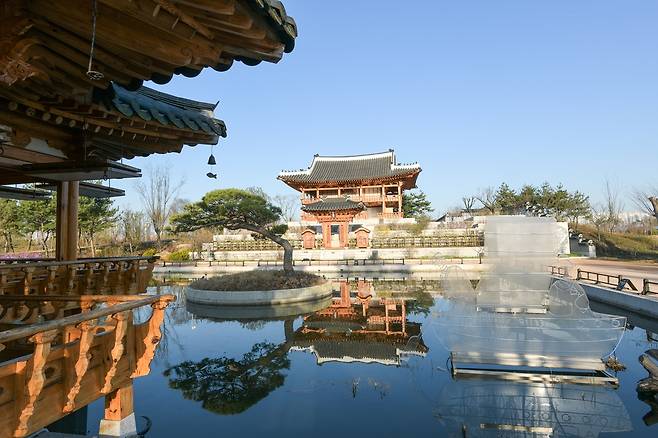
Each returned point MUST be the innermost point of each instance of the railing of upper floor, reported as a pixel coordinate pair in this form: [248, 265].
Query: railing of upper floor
[378, 198]
[50, 369]
[112, 275]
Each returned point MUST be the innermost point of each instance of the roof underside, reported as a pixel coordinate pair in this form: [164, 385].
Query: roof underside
[352, 169]
[53, 110]
[138, 40]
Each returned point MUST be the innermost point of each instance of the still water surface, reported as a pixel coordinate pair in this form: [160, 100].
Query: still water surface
[223, 372]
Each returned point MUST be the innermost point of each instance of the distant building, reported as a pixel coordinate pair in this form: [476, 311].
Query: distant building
[337, 191]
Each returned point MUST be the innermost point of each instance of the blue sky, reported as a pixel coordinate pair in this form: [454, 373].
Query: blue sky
[478, 92]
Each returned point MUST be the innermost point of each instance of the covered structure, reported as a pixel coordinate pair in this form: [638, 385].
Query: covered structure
[72, 105]
[334, 215]
[376, 180]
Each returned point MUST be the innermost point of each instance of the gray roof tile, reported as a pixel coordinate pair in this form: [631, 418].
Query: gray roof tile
[333, 204]
[351, 169]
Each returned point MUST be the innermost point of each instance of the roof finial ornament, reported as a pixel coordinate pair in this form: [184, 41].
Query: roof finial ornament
[93, 74]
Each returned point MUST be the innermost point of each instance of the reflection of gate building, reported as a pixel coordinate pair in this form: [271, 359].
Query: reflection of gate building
[360, 328]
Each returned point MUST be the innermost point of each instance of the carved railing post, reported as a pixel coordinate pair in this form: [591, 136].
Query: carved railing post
[36, 378]
[152, 338]
[27, 280]
[122, 320]
[4, 274]
[104, 284]
[69, 284]
[133, 276]
[50, 282]
[87, 331]
[88, 278]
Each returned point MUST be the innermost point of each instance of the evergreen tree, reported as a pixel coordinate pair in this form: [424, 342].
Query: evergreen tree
[95, 215]
[416, 204]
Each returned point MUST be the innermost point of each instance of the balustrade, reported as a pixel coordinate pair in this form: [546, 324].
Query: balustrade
[124, 275]
[50, 369]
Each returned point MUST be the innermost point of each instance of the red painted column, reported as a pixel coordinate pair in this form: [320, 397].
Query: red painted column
[326, 234]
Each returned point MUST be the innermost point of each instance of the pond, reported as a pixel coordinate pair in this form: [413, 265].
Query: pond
[334, 371]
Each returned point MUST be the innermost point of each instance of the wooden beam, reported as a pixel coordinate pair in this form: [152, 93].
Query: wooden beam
[16, 153]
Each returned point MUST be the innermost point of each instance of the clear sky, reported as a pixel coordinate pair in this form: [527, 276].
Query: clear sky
[478, 92]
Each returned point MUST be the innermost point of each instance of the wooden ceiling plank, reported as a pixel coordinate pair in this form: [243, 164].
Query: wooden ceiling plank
[116, 29]
[80, 59]
[220, 7]
[104, 58]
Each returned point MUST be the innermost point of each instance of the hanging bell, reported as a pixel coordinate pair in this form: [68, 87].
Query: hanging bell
[211, 160]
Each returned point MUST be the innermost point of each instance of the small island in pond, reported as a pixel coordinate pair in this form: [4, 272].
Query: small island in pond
[259, 281]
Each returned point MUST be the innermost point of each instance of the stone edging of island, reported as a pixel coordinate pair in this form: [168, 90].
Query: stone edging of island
[259, 297]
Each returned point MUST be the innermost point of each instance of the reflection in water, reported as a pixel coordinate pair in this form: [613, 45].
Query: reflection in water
[378, 323]
[502, 408]
[360, 329]
[230, 386]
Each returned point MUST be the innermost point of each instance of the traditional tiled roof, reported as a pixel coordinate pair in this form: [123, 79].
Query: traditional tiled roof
[351, 169]
[359, 350]
[334, 204]
[166, 109]
[276, 14]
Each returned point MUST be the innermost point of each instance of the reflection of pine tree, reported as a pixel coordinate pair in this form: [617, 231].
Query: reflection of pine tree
[228, 386]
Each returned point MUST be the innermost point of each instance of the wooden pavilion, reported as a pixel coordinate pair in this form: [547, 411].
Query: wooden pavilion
[72, 106]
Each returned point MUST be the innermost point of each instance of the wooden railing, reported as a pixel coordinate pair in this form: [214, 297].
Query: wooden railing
[448, 240]
[123, 275]
[397, 215]
[616, 281]
[51, 369]
[647, 286]
[558, 270]
[464, 240]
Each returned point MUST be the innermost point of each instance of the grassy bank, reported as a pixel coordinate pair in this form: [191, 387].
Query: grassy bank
[622, 245]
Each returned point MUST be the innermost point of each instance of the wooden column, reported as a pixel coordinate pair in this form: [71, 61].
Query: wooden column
[72, 235]
[66, 246]
[400, 200]
[326, 234]
[383, 200]
[343, 233]
[62, 227]
[119, 403]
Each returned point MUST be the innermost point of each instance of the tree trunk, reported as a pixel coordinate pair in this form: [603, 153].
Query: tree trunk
[283, 243]
[92, 244]
[287, 251]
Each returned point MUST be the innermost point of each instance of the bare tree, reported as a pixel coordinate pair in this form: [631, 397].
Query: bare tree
[613, 205]
[289, 205]
[468, 202]
[158, 192]
[487, 198]
[600, 218]
[646, 200]
[134, 226]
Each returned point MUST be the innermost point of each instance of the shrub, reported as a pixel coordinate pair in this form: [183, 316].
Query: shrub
[182, 255]
[149, 252]
[258, 280]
